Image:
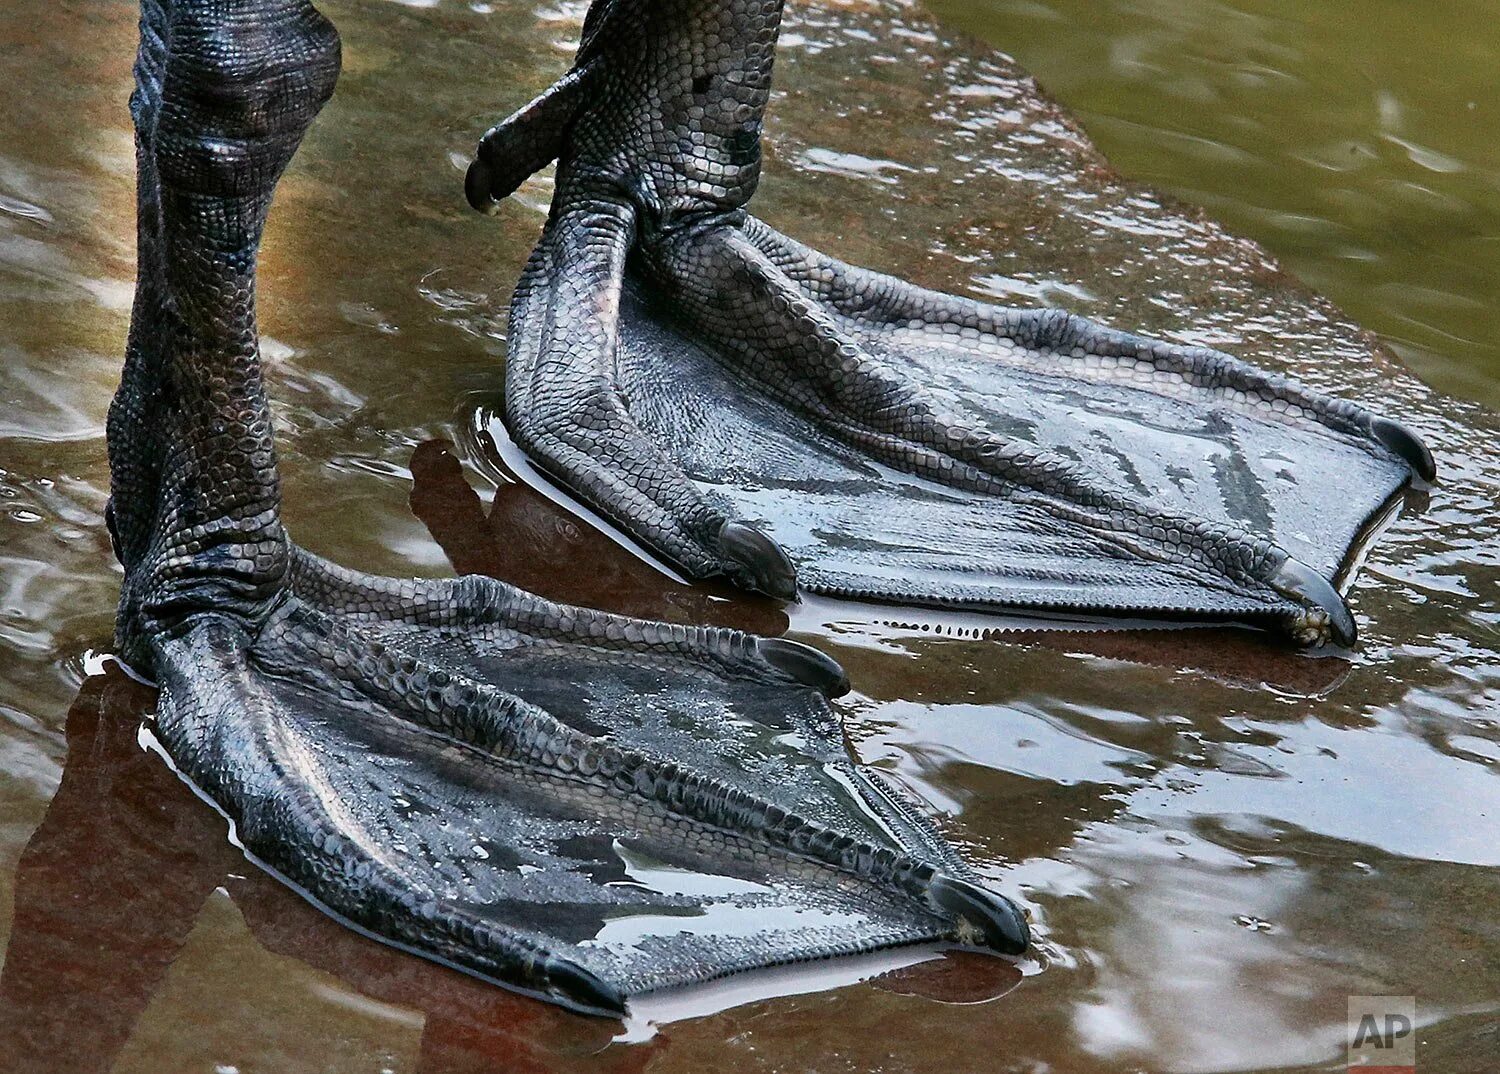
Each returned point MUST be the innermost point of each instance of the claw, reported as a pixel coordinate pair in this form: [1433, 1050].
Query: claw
[997, 921]
[1401, 441]
[479, 182]
[582, 987]
[1329, 614]
[114, 530]
[763, 566]
[809, 666]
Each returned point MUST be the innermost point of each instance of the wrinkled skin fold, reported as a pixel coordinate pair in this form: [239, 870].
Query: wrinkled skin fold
[752, 408]
[579, 805]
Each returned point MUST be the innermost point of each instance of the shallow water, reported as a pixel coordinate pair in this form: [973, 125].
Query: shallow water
[1352, 137]
[1221, 840]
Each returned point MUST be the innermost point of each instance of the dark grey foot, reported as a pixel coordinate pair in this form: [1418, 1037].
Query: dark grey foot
[626, 814]
[580, 805]
[680, 365]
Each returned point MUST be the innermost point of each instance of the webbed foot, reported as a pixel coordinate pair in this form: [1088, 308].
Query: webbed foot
[576, 804]
[581, 805]
[680, 364]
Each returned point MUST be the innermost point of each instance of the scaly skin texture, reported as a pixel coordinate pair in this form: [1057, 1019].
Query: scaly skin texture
[509, 785]
[656, 131]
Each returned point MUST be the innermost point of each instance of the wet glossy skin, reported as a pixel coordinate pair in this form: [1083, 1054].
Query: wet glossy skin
[584, 806]
[1193, 881]
[753, 408]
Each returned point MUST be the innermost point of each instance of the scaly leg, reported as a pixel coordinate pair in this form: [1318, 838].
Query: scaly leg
[740, 304]
[719, 370]
[506, 784]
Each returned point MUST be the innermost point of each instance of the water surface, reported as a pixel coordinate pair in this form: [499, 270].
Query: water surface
[1352, 137]
[1222, 840]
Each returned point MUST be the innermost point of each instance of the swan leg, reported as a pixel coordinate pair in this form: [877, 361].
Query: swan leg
[868, 438]
[578, 805]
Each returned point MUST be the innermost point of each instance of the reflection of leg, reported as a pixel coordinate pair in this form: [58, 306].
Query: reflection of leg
[523, 1040]
[531, 542]
[106, 892]
[454, 515]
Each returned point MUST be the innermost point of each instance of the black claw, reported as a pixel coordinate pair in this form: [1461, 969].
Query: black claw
[1401, 441]
[809, 666]
[1297, 580]
[762, 564]
[995, 918]
[479, 181]
[114, 530]
[583, 987]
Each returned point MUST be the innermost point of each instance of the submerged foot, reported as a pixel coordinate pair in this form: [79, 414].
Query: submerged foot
[693, 374]
[581, 805]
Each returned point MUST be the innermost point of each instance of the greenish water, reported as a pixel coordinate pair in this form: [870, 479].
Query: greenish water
[1221, 840]
[1355, 139]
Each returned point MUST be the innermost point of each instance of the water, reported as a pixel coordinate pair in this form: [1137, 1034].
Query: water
[1222, 840]
[1349, 136]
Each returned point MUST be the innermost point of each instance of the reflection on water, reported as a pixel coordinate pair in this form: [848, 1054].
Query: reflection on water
[134, 919]
[1222, 839]
[1352, 137]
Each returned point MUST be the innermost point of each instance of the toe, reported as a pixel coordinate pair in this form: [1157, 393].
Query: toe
[479, 183]
[583, 988]
[1401, 441]
[1297, 580]
[996, 920]
[757, 561]
[809, 666]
